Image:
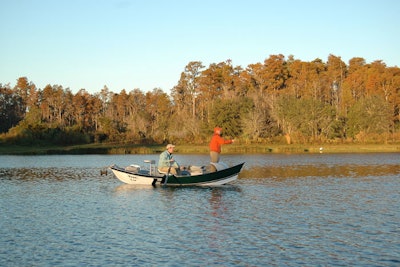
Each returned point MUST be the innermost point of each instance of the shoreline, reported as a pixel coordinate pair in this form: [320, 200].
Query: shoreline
[115, 149]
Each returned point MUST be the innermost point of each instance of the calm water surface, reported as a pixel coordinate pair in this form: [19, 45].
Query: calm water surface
[285, 210]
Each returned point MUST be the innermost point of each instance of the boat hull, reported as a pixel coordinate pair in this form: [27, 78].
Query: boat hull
[219, 177]
[130, 177]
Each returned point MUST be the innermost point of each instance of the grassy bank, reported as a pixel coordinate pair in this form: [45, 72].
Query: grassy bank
[196, 149]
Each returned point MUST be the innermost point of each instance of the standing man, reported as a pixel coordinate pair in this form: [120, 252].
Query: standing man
[166, 163]
[215, 144]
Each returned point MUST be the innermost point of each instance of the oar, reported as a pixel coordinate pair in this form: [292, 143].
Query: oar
[166, 178]
[169, 170]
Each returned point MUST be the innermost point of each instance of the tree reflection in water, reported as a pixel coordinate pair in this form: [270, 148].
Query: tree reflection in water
[324, 170]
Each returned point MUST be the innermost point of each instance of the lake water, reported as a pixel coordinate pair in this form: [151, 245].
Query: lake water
[284, 210]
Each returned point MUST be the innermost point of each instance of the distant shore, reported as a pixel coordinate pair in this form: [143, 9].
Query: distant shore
[118, 149]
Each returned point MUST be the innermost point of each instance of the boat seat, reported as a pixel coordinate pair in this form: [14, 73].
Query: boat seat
[162, 172]
[182, 173]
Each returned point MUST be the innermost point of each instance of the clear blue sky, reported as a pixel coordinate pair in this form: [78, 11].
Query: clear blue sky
[146, 44]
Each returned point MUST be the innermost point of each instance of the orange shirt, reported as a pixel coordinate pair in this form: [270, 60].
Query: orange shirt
[217, 141]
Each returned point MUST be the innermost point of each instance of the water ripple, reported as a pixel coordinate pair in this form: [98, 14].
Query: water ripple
[335, 215]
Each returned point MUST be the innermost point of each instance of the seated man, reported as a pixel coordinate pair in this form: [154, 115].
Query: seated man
[166, 163]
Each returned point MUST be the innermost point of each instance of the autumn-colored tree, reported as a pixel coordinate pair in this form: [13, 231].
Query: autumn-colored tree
[353, 86]
[305, 79]
[191, 77]
[159, 108]
[305, 101]
[181, 97]
[276, 73]
[336, 73]
[216, 82]
[137, 120]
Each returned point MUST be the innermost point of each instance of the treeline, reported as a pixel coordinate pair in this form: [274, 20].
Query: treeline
[278, 100]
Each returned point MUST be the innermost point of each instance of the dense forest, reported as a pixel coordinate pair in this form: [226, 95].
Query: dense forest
[281, 100]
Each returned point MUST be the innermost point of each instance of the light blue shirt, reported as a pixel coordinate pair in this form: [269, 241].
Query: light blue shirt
[165, 160]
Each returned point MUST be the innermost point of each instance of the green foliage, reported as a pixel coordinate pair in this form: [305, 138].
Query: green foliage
[227, 114]
[44, 134]
[369, 115]
[306, 116]
[11, 108]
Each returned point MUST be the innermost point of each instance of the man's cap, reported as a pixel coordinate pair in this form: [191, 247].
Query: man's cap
[169, 146]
